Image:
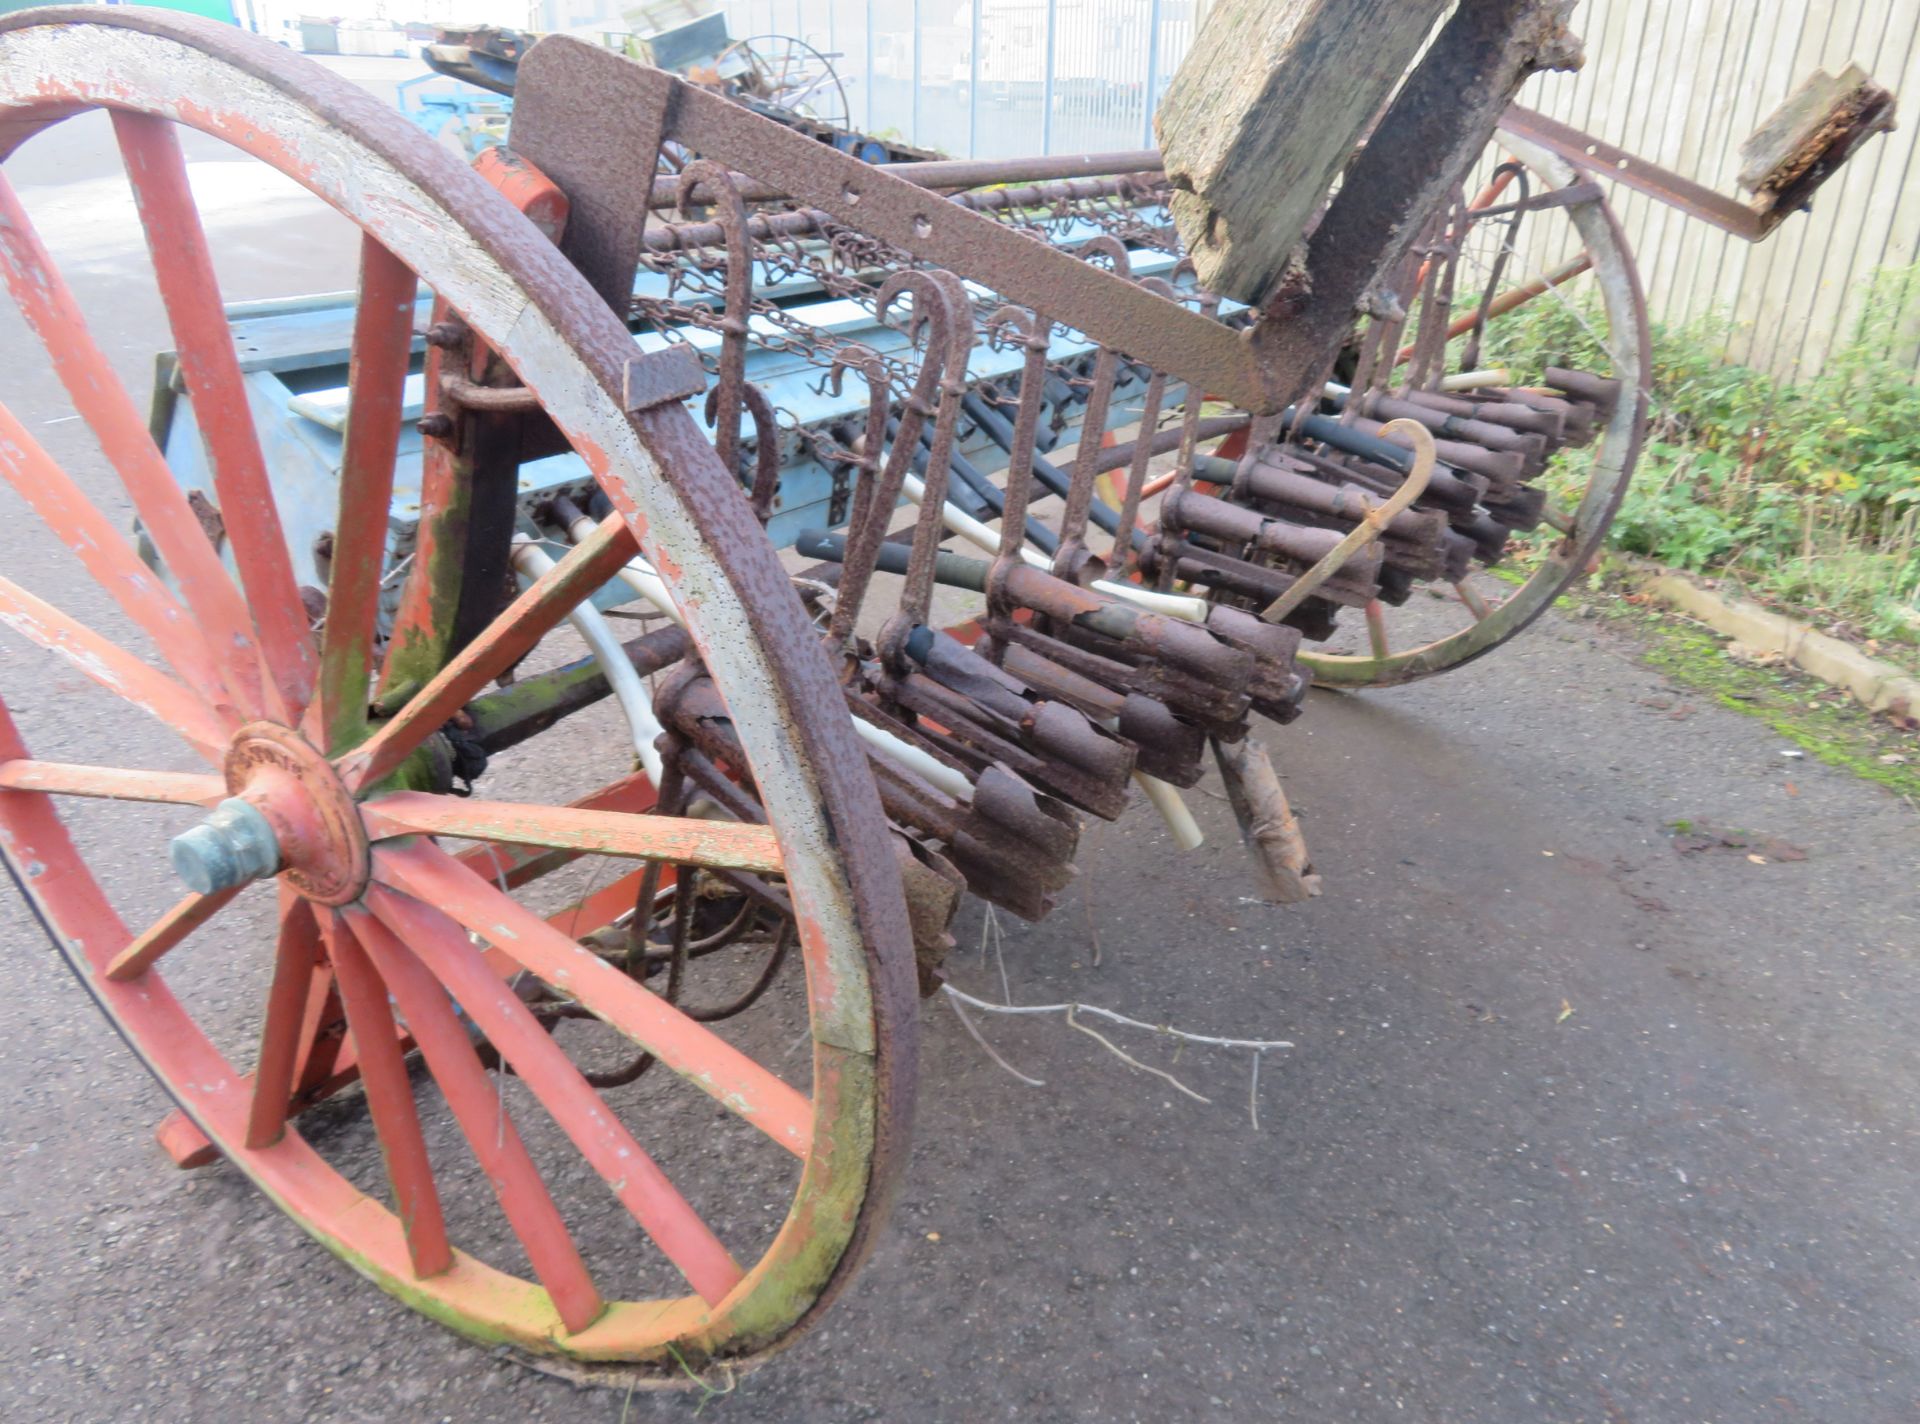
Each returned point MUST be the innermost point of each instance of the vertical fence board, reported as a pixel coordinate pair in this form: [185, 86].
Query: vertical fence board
[1681, 82]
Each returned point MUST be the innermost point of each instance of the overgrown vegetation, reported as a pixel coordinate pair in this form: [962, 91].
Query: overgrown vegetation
[1801, 494]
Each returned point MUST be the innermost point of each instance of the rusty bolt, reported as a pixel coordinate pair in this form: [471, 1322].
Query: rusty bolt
[446, 333]
[436, 426]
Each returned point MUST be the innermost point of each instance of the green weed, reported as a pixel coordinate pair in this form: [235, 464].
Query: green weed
[1805, 494]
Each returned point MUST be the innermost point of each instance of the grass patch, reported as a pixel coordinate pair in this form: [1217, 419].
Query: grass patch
[1822, 721]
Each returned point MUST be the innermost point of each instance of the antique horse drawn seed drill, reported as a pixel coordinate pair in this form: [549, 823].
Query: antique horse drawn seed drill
[568, 391]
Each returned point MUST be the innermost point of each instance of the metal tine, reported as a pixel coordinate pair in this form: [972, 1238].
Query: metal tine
[1462, 222]
[1436, 299]
[873, 370]
[864, 538]
[730, 212]
[1033, 331]
[873, 436]
[766, 451]
[670, 800]
[1378, 354]
[1514, 172]
[1143, 443]
[1188, 459]
[917, 598]
[1073, 561]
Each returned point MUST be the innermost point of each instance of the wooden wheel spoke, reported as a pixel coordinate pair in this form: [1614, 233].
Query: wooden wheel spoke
[690, 1049]
[482, 1115]
[634, 1177]
[167, 933]
[106, 555]
[376, 381]
[383, 1069]
[158, 172]
[59, 778]
[1556, 518]
[103, 402]
[114, 669]
[1470, 596]
[529, 618]
[1377, 629]
[732, 845]
[283, 1039]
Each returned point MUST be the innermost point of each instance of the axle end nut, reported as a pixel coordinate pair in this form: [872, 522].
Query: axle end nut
[233, 846]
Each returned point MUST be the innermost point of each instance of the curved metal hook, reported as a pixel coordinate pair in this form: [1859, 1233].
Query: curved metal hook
[958, 332]
[766, 449]
[865, 360]
[1115, 250]
[1370, 526]
[1028, 328]
[855, 357]
[730, 212]
[929, 304]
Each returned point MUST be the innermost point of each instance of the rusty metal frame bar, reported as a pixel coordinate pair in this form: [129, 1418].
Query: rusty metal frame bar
[1608, 160]
[592, 120]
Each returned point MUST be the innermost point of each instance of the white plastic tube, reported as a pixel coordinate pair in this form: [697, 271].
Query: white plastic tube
[958, 521]
[1167, 800]
[531, 561]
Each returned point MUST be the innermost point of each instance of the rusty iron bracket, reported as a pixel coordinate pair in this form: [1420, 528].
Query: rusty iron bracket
[1596, 156]
[565, 82]
[661, 378]
[1749, 221]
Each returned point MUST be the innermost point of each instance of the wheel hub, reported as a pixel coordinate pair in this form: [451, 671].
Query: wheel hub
[288, 813]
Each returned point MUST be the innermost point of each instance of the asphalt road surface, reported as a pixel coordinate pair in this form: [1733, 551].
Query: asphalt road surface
[1576, 1127]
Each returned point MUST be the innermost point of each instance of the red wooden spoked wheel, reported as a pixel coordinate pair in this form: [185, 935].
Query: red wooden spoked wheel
[425, 954]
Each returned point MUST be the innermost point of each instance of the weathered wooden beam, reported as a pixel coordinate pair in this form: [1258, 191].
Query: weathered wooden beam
[1812, 133]
[1266, 109]
[1415, 158]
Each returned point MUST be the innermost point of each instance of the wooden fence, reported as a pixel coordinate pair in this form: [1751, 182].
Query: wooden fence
[1683, 82]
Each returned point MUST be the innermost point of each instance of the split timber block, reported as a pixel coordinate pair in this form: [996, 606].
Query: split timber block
[1265, 111]
[1820, 123]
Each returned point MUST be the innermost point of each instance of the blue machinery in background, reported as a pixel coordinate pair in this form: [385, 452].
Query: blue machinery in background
[293, 352]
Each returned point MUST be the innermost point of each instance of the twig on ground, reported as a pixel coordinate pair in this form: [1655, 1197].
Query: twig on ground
[1129, 1059]
[988, 1006]
[991, 922]
[709, 1391]
[1086, 902]
[1258, 1046]
[988, 1048]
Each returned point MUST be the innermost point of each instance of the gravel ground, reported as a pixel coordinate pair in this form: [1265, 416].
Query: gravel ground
[1577, 1128]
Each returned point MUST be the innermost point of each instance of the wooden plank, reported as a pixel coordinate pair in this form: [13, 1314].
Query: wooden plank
[1797, 134]
[1266, 109]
